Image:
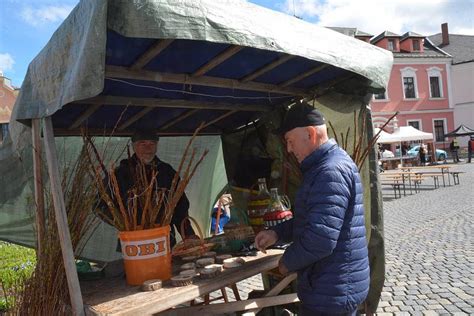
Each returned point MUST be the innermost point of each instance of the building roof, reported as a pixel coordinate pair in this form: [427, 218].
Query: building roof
[410, 35]
[461, 47]
[349, 31]
[383, 35]
[429, 51]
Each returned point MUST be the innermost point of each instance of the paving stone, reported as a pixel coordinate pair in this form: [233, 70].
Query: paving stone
[452, 308]
[418, 308]
[383, 304]
[391, 309]
[406, 308]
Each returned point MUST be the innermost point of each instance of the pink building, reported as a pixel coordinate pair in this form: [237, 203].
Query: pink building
[8, 96]
[419, 87]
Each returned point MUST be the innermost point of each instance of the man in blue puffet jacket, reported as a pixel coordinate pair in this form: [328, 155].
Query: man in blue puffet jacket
[329, 249]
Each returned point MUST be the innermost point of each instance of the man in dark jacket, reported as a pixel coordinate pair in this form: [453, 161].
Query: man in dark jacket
[329, 249]
[145, 144]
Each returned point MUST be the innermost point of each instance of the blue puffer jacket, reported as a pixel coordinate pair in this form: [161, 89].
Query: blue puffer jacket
[329, 248]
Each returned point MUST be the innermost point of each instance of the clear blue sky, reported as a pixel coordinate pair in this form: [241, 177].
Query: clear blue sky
[27, 25]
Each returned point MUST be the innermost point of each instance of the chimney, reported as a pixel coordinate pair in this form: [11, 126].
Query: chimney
[445, 34]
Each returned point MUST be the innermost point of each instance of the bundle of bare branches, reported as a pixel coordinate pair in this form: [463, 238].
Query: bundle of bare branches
[157, 204]
[359, 153]
[46, 291]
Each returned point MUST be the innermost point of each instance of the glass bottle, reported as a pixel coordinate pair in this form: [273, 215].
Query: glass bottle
[258, 205]
[276, 203]
[279, 212]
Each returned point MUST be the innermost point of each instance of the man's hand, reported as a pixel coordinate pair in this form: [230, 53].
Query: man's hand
[282, 268]
[265, 239]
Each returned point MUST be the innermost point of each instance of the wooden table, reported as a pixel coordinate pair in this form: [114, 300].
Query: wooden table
[444, 169]
[114, 297]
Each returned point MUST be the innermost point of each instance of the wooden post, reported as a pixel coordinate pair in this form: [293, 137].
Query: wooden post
[61, 219]
[38, 178]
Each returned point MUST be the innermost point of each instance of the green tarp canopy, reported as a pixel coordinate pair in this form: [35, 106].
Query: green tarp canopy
[114, 66]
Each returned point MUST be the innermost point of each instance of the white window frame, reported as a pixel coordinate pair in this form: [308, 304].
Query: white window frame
[413, 45]
[391, 40]
[416, 120]
[435, 72]
[409, 72]
[445, 127]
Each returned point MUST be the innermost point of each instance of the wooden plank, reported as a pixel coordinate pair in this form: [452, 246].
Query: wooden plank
[219, 118]
[39, 190]
[113, 297]
[90, 110]
[126, 73]
[61, 218]
[226, 54]
[302, 76]
[117, 133]
[151, 53]
[135, 118]
[267, 68]
[275, 291]
[178, 119]
[168, 103]
[222, 308]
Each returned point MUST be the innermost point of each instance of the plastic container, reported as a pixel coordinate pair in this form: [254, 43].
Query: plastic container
[146, 254]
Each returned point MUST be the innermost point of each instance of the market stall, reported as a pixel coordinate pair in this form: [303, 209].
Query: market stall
[114, 66]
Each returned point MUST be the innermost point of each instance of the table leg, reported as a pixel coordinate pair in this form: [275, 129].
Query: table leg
[236, 292]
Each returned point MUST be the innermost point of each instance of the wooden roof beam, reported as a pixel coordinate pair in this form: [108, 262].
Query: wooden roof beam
[178, 119]
[226, 54]
[85, 115]
[302, 76]
[135, 118]
[167, 103]
[151, 53]
[126, 73]
[116, 133]
[267, 68]
[219, 118]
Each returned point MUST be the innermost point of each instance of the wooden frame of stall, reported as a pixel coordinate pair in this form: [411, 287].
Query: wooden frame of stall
[136, 71]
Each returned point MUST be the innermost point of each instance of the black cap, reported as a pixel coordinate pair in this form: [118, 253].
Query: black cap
[144, 134]
[300, 115]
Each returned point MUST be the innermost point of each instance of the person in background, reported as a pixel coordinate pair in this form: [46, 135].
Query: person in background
[225, 202]
[422, 153]
[470, 148]
[328, 234]
[454, 148]
[405, 149]
[145, 145]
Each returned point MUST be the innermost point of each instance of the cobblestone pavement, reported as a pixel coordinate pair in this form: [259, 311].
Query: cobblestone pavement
[429, 251]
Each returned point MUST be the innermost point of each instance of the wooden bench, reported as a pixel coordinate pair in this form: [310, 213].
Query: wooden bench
[455, 175]
[396, 187]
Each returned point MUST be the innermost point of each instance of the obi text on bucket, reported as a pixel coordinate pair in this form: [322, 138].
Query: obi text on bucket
[144, 249]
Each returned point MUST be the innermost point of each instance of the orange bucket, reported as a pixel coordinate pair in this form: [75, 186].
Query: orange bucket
[146, 254]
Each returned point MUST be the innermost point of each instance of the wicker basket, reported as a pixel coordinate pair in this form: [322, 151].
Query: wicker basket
[191, 247]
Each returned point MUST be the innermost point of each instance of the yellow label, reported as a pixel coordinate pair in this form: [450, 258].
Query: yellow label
[259, 202]
[256, 221]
